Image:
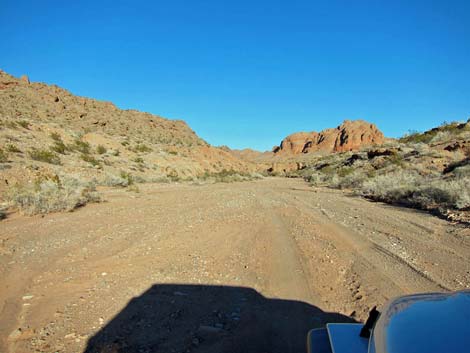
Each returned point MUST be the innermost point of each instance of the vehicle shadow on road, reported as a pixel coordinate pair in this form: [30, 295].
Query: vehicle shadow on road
[205, 318]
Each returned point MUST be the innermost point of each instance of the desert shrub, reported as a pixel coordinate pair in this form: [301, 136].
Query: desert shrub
[447, 193]
[47, 196]
[115, 180]
[353, 180]
[24, 124]
[59, 147]
[3, 214]
[229, 176]
[391, 187]
[128, 177]
[462, 172]
[141, 148]
[12, 148]
[139, 160]
[422, 150]
[101, 149]
[416, 137]
[44, 156]
[55, 136]
[441, 136]
[139, 179]
[90, 159]
[464, 134]
[344, 171]
[3, 156]
[411, 189]
[81, 146]
[316, 179]
[174, 153]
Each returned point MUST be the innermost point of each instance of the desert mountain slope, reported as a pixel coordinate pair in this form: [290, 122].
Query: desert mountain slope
[47, 131]
[349, 136]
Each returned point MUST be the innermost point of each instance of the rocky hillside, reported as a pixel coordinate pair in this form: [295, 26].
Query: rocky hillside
[47, 133]
[349, 136]
[429, 171]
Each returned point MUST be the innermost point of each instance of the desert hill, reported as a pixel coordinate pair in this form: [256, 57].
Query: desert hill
[428, 170]
[349, 136]
[47, 133]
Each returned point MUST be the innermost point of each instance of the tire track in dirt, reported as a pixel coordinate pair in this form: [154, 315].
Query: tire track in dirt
[279, 237]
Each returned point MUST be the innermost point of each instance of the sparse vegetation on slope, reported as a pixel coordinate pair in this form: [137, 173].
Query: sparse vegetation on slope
[46, 130]
[419, 175]
[45, 156]
[439, 134]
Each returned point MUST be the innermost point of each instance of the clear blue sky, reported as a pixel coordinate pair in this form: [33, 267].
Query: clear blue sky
[247, 73]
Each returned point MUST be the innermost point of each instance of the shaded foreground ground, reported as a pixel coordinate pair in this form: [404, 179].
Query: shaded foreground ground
[254, 263]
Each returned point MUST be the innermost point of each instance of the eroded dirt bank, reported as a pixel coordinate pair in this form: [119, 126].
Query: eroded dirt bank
[245, 267]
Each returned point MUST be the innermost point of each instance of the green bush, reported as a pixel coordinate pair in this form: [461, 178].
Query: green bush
[44, 156]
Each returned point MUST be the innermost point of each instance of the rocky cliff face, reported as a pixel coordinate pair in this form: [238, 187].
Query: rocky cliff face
[349, 136]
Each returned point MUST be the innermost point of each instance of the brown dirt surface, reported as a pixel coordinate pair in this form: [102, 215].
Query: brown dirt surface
[244, 267]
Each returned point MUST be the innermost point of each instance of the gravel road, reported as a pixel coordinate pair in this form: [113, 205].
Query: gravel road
[243, 267]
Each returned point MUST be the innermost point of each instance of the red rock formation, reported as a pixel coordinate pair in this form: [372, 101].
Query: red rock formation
[349, 136]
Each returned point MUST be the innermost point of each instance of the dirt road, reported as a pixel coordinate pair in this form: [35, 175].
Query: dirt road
[244, 267]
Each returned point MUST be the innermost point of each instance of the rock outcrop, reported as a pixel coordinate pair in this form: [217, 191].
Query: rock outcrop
[349, 136]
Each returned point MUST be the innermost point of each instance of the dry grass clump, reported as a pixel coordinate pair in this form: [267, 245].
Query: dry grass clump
[55, 195]
[23, 123]
[141, 148]
[101, 149]
[3, 156]
[80, 146]
[13, 148]
[59, 146]
[414, 190]
[124, 179]
[45, 156]
[90, 159]
[229, 176]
